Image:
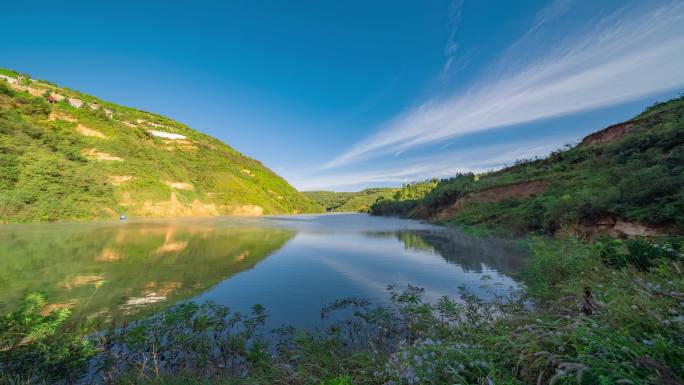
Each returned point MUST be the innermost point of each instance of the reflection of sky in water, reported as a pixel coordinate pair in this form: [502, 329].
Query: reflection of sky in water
[341, 256]
[293, 265]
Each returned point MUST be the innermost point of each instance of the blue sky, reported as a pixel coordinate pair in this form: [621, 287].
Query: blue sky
[346, 95]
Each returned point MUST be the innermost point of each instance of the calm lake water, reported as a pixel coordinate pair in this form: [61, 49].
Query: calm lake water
[292, 265]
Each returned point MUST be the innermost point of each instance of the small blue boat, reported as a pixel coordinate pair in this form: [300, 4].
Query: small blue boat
[122, 217]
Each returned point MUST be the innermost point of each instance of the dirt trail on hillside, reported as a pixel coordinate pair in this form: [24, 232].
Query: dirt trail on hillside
[59, 115]
[94, 154]
[118, 180]
[87, 131]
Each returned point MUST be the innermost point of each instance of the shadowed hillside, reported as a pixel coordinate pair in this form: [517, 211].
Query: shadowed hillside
[65, 155]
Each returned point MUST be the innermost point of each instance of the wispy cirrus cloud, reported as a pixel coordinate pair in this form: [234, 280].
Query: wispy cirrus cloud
[455, 10]
[622, 56]
[553, 11]
[474, 159]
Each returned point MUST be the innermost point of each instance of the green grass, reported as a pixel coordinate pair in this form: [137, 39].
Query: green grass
[9, 72]
[639, 178]
[46, 174]
[360, 201]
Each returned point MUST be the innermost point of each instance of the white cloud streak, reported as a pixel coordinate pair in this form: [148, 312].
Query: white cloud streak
[455, 9]
[475, 159]
[623, 57]
[551, 12]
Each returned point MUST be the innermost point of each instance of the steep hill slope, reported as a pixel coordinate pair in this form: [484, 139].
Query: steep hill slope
[359, 201]
[627, 179]
[66, 155]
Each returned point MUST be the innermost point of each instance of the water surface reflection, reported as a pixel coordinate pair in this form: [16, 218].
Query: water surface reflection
[293, 265]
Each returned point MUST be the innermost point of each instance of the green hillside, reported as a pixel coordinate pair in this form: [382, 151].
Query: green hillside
[359, 201]
[69, 156]
[627, 179]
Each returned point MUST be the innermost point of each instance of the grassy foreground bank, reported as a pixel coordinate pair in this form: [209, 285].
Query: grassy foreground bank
[611, 312]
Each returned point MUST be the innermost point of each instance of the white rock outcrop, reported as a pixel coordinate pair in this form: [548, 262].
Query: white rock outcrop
[77, 103]
[167, 135]
[9, 79]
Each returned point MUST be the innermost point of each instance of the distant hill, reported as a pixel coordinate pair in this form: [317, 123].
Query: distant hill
[65, 155]
[627, 179]
[359, 201]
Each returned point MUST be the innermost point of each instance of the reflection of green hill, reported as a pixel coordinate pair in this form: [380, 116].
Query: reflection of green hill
[471, 253]
[117, 269]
